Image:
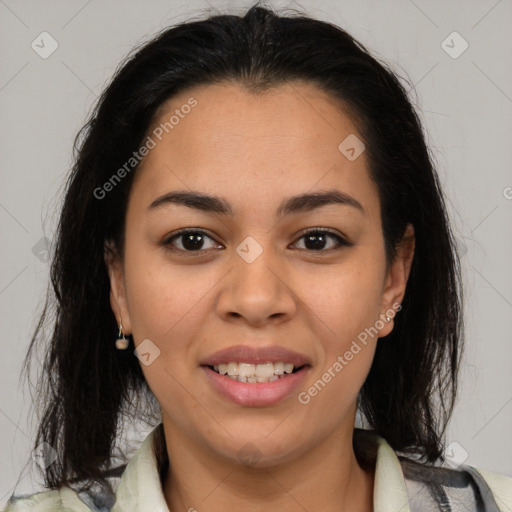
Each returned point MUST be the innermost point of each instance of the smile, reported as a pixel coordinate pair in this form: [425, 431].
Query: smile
[255, 373]
[253, 391]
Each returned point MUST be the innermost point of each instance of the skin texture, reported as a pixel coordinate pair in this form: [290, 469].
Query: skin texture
[255, 150]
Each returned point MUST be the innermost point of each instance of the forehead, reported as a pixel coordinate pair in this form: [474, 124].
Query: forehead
[283, 141]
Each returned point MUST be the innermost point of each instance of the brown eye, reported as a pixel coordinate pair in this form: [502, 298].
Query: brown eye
[316, 239]
[190, 240]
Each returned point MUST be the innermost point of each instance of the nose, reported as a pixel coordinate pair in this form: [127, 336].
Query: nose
[258, 291]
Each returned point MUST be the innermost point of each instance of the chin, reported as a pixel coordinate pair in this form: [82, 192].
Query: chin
[257, 450]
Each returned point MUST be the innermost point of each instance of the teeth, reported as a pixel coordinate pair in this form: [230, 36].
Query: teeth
[278, 368]
[248, 372]
[246, 369]
[232, 369]
[265, 370]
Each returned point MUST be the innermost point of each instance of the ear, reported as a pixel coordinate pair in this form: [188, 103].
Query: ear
[396, 280]
[118, 301]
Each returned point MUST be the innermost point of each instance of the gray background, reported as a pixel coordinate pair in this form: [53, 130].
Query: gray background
[466, 105]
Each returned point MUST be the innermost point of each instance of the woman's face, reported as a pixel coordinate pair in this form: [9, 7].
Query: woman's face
[248, 285]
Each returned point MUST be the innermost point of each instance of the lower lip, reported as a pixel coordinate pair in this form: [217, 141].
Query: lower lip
[257, 394]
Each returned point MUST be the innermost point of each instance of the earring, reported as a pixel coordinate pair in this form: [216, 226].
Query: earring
[388, 319]
[121, 342]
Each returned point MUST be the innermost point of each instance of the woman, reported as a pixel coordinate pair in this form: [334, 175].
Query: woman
[254, 213]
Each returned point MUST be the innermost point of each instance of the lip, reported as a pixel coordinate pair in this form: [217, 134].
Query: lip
[257, 394]
[256, 355]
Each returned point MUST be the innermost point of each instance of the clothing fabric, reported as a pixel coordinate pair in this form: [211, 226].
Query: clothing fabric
[401, 485]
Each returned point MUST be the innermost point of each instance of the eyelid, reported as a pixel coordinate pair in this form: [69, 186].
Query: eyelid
[341, 239]
[166, 242]
[316, 229]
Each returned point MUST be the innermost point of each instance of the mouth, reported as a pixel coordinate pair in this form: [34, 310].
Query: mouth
[256, 373]
[258, 387]
[256, 376]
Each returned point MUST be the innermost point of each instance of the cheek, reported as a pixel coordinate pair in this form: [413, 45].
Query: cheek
[167, 306]
[161, 298]
[345, 300]
[346, 308]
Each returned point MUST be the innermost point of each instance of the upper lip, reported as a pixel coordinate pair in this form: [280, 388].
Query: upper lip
[256, 355]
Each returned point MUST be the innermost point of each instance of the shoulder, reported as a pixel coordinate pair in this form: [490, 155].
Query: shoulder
[440, 488]
[500, 486]
[59, 500]
[414, 486]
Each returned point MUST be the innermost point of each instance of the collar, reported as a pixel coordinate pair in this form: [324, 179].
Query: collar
[140, 488]
[389, 490]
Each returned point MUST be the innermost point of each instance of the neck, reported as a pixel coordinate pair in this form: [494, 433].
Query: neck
[327, 477]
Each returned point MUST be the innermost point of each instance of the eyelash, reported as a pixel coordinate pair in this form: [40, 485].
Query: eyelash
[167, 242]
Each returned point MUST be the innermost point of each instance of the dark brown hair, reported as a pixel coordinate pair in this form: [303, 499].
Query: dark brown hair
[87, 386]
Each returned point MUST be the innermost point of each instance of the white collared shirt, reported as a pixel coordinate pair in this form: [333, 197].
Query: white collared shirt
[140, 490]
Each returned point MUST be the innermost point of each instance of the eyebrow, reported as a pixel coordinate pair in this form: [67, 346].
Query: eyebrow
[295, 204]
